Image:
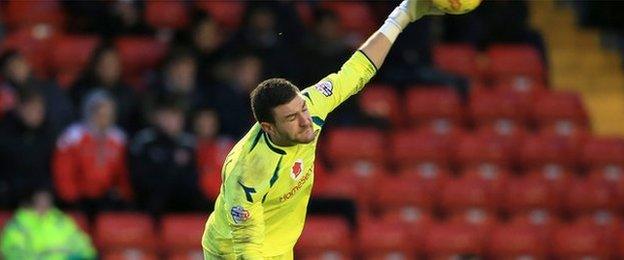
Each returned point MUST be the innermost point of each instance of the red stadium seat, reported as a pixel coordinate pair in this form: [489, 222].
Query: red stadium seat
[607, 223]
[413, 148]
[365, 179]
[124, 231]
[437, 107]
[81, 221]
[4, 218]
[401, 193]
[561, 110]
[339, 187]
[483, 150]
[191, 255]
[619, 250]
[382, 101]
[558, 179]
[527, 193]
[70, 57]
[543, 222]
[448, 239]
[525, 86]
[139, 54]
[577, 241]
[514, 61]
[511, 136]
[416, 222]
[511, 241]
[166, 14]
[354, 17]
[31, 13]
[461, 59]
[325, 236]
[542, 150]
[464, 193]
[179, 234]
[497, 107]
[348, 146]
[321, 178]
[494, 180]
[383, 240]
[585, 196]
[612, 177]
[226, 13]
[429, 177]
[36, 46]
[129, 254]
[604, 152]
[480, 219]
[305, 13]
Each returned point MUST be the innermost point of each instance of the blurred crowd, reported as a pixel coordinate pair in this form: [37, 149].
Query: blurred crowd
[103, 142]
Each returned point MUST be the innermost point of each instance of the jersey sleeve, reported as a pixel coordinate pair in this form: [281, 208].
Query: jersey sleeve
[245, 187]
[334, 89]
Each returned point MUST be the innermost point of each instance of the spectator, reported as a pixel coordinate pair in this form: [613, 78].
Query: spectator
[324, 49]
[231, 96]
[211, 151]
[179, 81]
[17, 74]
[104, 72]
[38, 230]
[206, 41]
[262, 35]
[163, 162]
[26, 143]
[89, 166]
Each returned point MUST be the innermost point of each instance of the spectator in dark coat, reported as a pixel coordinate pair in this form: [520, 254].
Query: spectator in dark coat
[231, 96]
[17, 74]
[163, 163]
[26, 143]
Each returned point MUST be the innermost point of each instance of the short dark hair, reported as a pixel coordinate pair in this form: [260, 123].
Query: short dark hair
[270, 94]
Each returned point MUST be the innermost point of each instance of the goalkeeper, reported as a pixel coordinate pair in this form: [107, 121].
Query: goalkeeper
[267, 177]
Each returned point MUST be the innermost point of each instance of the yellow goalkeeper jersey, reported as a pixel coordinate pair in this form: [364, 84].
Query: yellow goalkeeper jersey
[261, 207]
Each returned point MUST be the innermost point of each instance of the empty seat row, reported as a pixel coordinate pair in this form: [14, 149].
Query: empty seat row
[493, 191]
[518, 66]
[382, 239]
[347, 147]
[441, 108]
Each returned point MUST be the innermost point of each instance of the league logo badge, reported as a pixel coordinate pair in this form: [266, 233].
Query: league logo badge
[239, 214]
[325, 87]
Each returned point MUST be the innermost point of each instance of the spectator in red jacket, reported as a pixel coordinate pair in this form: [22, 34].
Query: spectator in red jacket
[211, 151]
[89, 166]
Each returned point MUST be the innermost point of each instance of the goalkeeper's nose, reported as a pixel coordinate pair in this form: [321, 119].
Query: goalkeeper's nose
[305, 121]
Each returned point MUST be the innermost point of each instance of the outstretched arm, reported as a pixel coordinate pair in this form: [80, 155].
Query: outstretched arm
[377, 46]
[334, 89]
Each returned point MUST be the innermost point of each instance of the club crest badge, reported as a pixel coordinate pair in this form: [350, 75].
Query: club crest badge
[296, 169]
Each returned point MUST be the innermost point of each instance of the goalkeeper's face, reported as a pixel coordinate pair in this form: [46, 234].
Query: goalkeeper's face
[293, 124]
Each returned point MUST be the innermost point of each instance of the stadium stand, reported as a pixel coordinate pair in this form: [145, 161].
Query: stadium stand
[513, 169]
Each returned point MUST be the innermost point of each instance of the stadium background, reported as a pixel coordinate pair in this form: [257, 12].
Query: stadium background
[492, 134]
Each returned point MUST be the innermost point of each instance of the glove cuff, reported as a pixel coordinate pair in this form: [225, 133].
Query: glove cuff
[396, 22]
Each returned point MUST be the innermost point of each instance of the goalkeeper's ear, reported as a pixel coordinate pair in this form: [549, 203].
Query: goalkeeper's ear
[268, 128]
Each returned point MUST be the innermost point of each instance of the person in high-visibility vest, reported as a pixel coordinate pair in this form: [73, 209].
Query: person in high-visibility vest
[38, 230]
